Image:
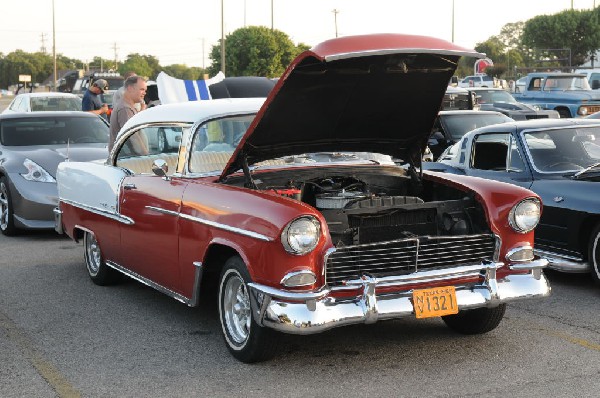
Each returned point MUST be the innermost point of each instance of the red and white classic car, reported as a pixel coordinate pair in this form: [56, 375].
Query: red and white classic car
[309, 210]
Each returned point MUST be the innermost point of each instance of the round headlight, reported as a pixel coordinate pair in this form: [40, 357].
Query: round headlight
[525, 215]
[301, 235]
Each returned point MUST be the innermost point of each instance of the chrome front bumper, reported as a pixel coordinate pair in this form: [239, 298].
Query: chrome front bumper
[564, 263]
[307, 313]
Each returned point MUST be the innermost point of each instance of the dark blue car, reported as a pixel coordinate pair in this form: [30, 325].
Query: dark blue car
[558, 159]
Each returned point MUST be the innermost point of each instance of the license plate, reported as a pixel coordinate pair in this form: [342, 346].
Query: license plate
[437, 301]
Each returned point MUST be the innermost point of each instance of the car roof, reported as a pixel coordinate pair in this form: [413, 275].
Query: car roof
[33, 115]
[48, 94]
[193, 111]
[469, 112]
[534, 124]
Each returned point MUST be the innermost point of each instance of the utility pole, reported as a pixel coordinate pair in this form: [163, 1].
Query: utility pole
[271, 14]
[54, 48]
[115, 48]
[335, 13]
[43, 48]
[452, 21]
[222, 37]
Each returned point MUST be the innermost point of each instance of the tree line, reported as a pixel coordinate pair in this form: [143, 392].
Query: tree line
[568, 38]
[563, 40]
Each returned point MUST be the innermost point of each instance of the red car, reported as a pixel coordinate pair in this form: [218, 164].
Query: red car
[309, 210]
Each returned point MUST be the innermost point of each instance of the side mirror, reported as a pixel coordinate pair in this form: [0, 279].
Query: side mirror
[160, 168]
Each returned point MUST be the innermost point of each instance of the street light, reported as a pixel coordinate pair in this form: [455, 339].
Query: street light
[222, 37]
[452, 21]
[54, 48]
[335, 13]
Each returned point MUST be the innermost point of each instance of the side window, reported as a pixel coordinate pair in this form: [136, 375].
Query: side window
[490, 152]
[535, 84]
[142, 148]
[214, 143]
[515, 160]
[15, 105]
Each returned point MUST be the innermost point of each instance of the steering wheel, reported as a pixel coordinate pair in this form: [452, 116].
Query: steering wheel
[564, 165]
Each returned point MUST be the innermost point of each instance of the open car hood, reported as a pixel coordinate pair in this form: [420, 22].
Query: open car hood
[372, 93]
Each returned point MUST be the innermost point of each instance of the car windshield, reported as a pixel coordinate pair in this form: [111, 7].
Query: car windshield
[460, 124]
[55, 104]
[215, 141]
[494, 96]
[562, 83]
[564, 150]
[53, 130]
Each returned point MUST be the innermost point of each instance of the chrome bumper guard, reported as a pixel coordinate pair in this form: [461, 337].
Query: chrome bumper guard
[315, 312]
[58, 226]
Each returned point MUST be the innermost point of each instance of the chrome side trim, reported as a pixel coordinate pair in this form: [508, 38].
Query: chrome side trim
[114, 216]
[163, 211]
[225, 227]
[152, 284]
[315, 312]
[564, 263]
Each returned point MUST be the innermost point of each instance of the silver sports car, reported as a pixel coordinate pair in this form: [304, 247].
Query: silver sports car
[31, 147]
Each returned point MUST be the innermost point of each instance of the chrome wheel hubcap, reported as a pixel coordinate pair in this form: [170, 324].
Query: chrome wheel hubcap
[236, 309]
[92, 254]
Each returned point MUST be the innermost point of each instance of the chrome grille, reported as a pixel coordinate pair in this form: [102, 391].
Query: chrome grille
[399, 257]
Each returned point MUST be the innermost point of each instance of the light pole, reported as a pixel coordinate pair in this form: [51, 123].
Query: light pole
[335, 13]
[271, 14]
[452, 21]
[222, 37]
[54, 48]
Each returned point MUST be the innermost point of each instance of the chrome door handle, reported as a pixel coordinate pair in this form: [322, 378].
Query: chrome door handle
[129, 186]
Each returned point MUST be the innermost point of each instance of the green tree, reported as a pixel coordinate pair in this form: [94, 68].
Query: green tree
[255, 51]
[181, 71]
[143, 65]
[552, 36]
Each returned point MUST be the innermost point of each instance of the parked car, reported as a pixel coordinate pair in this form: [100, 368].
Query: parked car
[306, 223]
[31, 147]
[478, 81]
[499, 100]
[557, 159]
[450, 126]
[34, 102]
[457, 98]
[567, 93]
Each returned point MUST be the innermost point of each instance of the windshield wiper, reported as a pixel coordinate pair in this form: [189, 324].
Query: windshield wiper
[586, 170]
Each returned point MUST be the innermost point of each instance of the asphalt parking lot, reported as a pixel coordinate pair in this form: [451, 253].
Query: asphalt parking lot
[61, 335]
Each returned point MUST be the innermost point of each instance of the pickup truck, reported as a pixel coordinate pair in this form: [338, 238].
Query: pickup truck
[567, 93]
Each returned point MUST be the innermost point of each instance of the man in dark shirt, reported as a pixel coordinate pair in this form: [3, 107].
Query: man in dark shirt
[91, 99]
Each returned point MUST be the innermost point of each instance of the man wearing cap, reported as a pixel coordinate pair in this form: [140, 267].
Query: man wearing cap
[91, 99]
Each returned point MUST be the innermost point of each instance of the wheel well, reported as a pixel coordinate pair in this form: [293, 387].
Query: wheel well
[585, 232]
[78, 234]
[214, 260]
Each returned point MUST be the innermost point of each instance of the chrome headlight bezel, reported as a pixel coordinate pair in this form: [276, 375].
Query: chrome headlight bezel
[525, 215]
[36, 173]
[301, 235]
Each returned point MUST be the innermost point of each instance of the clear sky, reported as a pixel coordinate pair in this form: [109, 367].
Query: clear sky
[180, 31]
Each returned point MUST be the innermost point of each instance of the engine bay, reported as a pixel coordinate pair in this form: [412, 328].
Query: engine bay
[369, 207]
